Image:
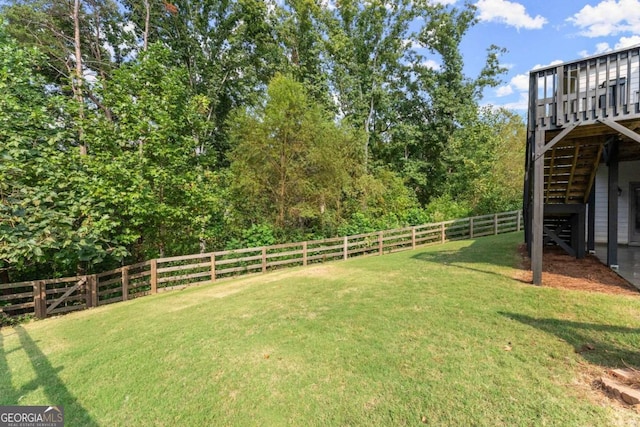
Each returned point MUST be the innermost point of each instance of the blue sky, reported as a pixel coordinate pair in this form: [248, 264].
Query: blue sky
[543, 32]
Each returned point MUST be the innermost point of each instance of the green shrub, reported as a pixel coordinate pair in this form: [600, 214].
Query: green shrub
[256, 236]
[444, 208]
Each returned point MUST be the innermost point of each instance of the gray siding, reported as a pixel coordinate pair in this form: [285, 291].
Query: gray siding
[629, 172]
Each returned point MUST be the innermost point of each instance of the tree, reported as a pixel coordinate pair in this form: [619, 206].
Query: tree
[50, 223]
[493, 171]
[453, 97]
[434, 101]
[290, 162]
[367, 53]
[76, 37]
[301, 34]
[229, 49]
[147, 161]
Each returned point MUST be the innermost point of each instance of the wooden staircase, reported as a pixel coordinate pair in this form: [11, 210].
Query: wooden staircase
[570, 169]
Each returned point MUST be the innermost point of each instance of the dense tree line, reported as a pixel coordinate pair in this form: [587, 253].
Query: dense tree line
[136, 128]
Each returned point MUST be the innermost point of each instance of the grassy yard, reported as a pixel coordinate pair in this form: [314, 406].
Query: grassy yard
[370, 341]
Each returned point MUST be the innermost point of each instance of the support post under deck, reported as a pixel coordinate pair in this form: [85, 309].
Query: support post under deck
[591, 226]
[612, 211]
[537, 210]
[578, 228]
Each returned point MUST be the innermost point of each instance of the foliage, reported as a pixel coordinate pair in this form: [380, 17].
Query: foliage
[290, 161]
[228, 49]
[200, 125]
[487, 157]
[147, 161]
[47, 211]
[14, 320]
[255, 236]
[368, 52]
[380, 200]
[47, 25]
[302, 35]
[497, 185]
[444, 208]
[437, 102]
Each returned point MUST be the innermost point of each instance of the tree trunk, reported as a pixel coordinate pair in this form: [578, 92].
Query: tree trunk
[97, 23]
[147, 18]
[77, 81]
[282, 191]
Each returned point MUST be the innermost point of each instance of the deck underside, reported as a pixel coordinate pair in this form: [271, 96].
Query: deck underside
[571, 164]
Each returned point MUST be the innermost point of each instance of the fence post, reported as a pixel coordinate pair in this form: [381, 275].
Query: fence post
[125, 283]
[91, 290]
[345, 248]
[471, 228]
[495, 223]
[213, 266]
[304, 253]
[40, 299]
[519, 219]
[154, 276]
[86, 290]
[442, 233]
[43, 298]
[413, 237]
[94, 290]
[380, 243]
[264, 259]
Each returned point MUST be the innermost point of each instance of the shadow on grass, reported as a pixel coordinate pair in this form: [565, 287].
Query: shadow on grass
[8, 396]
[486, 250]
[610, 346]
[46, 376]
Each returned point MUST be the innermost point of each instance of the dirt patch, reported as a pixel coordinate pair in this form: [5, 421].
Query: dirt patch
[560, 270]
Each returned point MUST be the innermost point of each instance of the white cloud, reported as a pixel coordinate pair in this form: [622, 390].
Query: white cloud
[551, 64]
[600, 48]
[604, 47]
[412, 44]
[443, 2]
[628, 42]
[430, 63]
[521, 104]
[504, 91]
[509, 13]
[519, 83]
[608, 18]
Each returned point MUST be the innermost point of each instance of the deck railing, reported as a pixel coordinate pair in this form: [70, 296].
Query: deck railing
[606, 86]
[43, 298]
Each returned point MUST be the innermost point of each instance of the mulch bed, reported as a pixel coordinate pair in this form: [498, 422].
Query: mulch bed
[560, 270]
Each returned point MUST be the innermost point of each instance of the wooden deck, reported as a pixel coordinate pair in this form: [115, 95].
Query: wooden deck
[581, 113]
[586, 91]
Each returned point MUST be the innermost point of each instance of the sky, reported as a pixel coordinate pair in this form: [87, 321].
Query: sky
[543, 32]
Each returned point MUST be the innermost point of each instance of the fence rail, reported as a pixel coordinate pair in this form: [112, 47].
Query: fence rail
[43, 298]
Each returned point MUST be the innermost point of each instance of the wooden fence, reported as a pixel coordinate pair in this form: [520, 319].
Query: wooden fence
[43, 298]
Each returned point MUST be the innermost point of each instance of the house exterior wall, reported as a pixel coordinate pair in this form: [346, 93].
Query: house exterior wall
[628, 172]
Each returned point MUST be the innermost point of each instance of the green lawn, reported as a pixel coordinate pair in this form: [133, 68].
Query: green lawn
[376, 341]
